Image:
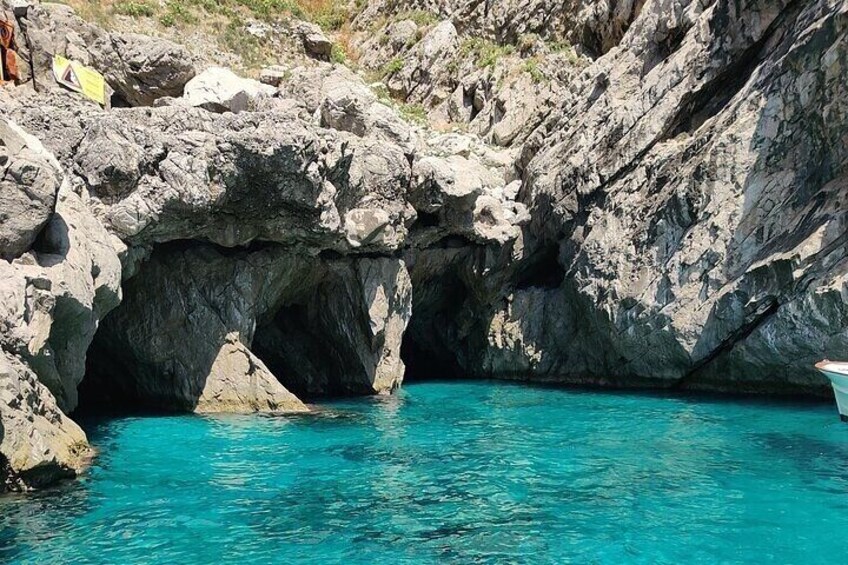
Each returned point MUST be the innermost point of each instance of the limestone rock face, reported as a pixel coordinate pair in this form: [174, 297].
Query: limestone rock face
[55, 295]
[38, 443]
[432, 56]
[322, 199]
[660, 203]
[596, 24]
[28, 187]
[698, 232]
[52, 297]
[467, 198]
[684, 202]
[140, 69]
[497, 68]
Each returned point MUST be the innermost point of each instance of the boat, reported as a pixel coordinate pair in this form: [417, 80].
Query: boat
[837, 372]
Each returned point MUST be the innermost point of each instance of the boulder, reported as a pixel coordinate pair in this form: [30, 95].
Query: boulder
[346, 104]
[274, 75]
[29, 180]
[142, 69]
[240, 382]
[466, 198]
[315, 42]
[218, 89]
[139, 68]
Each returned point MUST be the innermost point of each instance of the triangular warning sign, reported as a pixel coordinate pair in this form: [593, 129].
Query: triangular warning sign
[80, 78]
[69, 77]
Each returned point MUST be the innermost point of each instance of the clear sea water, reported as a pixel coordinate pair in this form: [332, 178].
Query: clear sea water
[455, 472]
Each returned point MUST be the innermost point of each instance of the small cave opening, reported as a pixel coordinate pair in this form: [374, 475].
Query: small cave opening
[118, 101]
[167, 347]
[433, 347]
[541, 270]
[109, 388]
[306, 359]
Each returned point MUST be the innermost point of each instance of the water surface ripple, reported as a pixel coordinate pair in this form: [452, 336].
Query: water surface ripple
[459, 472]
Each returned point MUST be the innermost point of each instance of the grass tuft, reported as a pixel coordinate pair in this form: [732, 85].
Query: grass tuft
[135, 8]
[485, 53]
[392, 67]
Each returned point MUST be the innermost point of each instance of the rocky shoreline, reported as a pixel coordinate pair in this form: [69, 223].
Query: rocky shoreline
[667, 210]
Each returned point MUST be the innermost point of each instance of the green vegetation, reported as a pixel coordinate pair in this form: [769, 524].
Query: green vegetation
[531, 67]
[382, 93]
[135, 9]
[566, 49]
[250, 49]
[177, 12]
[331, 15]
[527, 41]
[486, 53]
[392, 67]
[419, 17]
[411, 112]
[338, 55]
[224, 21]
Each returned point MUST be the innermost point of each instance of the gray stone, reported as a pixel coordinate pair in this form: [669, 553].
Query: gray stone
[426, 74]
[29, 181]
[139, 68]
[142, 69]
[274, 75]
[38, 444]
[220, 90]
[315, 42]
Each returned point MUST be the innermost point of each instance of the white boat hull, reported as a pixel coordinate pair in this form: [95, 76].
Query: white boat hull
[837, 373]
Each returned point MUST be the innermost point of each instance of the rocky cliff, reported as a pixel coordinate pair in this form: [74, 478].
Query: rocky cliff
[624, 193]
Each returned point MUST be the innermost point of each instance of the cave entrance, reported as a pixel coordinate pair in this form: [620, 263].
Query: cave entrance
[314, 329]
[433, 346]
[299, 351]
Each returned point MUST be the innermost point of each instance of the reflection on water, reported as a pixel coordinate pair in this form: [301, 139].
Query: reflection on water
[463, 472]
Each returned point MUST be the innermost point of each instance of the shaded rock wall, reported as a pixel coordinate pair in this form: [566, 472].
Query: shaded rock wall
[322, 326]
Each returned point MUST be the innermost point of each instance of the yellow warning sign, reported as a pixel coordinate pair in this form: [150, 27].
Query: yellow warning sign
[80, 78]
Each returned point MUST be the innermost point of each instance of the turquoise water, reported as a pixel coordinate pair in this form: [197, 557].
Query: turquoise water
[455, 472]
